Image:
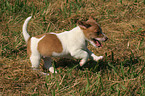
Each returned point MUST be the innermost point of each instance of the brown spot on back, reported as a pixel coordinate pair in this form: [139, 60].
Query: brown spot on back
[49, 44]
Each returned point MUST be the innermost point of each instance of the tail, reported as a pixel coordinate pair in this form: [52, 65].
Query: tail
[25, 33]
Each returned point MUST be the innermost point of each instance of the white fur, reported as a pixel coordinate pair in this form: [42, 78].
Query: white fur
[25, 34]
[73, 42]
[35, 55]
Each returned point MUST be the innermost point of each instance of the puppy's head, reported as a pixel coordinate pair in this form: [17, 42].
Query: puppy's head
[92, 32]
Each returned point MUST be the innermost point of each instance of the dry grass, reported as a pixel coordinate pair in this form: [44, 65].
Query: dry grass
[120, 73]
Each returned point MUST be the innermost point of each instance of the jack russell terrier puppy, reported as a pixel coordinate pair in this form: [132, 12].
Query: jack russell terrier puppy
[71, 43]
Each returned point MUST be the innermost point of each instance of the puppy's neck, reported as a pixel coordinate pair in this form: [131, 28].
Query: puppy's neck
[77, 32]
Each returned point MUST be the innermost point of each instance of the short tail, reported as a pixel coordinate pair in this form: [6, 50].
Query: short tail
[25, 33]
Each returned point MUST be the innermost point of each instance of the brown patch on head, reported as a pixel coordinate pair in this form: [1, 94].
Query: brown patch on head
[28, 47]
[49, 44]
[92, 31]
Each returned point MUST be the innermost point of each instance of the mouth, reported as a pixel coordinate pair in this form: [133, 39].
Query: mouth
[97, 42]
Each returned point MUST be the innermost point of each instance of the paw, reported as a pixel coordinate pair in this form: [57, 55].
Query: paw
[51, 69]
[96, 58]
[101, 57]
[55, 71]
[82, 62]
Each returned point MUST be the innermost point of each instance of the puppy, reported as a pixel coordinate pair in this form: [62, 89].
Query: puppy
[71, 43]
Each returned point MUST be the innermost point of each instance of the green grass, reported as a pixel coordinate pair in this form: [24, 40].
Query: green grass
[120, 73]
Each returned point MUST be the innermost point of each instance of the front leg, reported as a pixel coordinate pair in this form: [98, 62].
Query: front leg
[93, 56]
[96, 58]
[83, 55]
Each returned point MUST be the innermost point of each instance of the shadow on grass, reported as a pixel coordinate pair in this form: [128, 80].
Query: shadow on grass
[94, 66]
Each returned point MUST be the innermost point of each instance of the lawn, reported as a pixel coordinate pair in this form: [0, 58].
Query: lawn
[120, 73]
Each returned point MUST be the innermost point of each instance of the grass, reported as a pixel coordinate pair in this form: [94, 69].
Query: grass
[120, 73]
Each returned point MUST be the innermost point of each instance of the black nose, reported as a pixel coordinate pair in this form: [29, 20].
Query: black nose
[106, 38]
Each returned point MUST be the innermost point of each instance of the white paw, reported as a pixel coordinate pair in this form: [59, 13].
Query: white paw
[82, 62]
[55, 71]
[101, 57]
[51, 69]
[96, 58]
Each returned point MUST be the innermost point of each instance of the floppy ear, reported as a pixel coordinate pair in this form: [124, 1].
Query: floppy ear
[83, 25]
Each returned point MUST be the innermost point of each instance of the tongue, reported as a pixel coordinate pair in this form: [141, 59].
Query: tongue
[98, 44]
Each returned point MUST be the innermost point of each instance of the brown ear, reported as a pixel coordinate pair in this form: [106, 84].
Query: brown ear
[83, 25]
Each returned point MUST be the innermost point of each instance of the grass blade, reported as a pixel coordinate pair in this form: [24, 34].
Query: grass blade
[122, 71]
[112, 55]
[53, 92]
[120, 1]
[88, 83]
[112, 67]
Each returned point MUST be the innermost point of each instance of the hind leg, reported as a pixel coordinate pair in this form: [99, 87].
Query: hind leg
[35, 61]
[48, 65]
